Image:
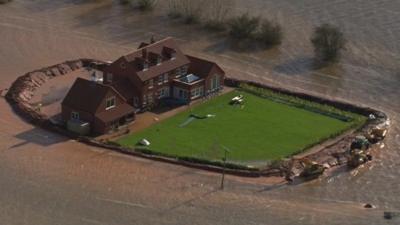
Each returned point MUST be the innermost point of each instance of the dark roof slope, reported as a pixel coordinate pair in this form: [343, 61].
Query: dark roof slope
[115, 113]
[201, 67]
[86, 95]
[125, 88]
[163, 48]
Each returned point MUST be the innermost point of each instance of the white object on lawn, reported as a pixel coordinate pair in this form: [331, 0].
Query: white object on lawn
[237, 98]
[144, 142]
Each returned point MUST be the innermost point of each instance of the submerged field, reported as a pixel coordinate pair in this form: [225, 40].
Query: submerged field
[260, 130]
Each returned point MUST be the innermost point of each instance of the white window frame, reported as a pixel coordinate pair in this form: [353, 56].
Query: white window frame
[215, 82]
[165, 77]
[144, 100]
[110, 102]
[151, 83]
[163, 93]
[179, 72]
[197, 92]
[75, 115]
[150, 98]
[145, 66]
[109, 77]
[160, 79]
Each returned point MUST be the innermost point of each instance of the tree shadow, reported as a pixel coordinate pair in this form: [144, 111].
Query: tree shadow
[295, 66]
[225, 43]
[38, 136]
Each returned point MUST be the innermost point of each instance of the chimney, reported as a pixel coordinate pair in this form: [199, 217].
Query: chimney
[152, 40]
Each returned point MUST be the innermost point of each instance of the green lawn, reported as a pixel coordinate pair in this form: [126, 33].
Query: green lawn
[261, 130]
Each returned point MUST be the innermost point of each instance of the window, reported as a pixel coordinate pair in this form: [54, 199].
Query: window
[159, 60]
[215, 83]
[166, 78]
[161, 79]
[74, 115]
[151, 84]
[122, 65]
[173, 55]
[180, 93]
[109, 77]
[178, 73]
[145, 66]
[110, 103]
[181, 71]
[150, 98]
[135, 101]
[197, 92]
[184, 70]
[144, 100]
[164, 92]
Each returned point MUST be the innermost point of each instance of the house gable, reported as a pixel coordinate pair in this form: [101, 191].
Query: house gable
[111, 93]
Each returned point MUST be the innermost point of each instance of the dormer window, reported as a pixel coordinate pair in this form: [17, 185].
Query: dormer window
[173, 55]
[122, 65]
[110, 103]
[145, 66]
[159, 60]
[109, 77]
[170, 53]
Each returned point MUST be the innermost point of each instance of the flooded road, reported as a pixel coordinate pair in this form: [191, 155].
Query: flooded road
[46, 179]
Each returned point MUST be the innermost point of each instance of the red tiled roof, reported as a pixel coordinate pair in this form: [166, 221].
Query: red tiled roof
[125, 88]
[86, 95]
[163, 48]
[201, 67]
[115, 113]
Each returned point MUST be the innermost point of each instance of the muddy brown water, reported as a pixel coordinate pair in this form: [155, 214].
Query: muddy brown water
[46, 179]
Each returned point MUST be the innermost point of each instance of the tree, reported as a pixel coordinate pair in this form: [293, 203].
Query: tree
[270, 33]
[190, 10]
[216, 12]
[328, 41]
[243, 26]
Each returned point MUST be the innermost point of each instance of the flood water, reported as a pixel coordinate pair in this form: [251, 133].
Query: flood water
[38, 33]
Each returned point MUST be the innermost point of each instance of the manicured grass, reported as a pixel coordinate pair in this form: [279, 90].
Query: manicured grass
[261, 130]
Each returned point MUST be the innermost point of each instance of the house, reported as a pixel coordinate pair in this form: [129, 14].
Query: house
[155, 72]
[92, 107]
[160, 70]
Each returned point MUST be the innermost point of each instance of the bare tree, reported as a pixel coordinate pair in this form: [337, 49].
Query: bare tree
[190, 10]
[217, 12]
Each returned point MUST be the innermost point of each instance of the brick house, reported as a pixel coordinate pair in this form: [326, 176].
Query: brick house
[160, 70]
[91, 107]
[138, 81]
